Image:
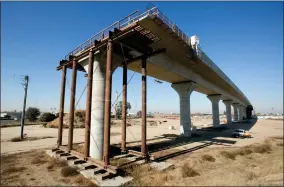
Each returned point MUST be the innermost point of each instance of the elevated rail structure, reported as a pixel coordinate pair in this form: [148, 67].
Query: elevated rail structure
[149, 43]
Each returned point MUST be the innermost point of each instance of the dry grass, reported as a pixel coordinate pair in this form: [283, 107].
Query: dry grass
[256, 164]
[67, 171]
[54, 163]
[208, 157]
[18, 138]
[229, 154]
[118, 162]
[82, 181]
[188, 171]
[13, 169]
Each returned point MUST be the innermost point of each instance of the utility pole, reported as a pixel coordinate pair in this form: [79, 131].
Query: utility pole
[25, 84]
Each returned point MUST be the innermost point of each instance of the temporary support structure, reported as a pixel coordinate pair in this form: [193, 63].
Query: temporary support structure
[124, 108]
[61, 107]
[107, 103]
[88, 103]
[72, 104]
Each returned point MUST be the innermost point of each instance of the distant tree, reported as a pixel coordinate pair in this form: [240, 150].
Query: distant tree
[258, 114]
[139, 114]
[119, 109]
[47, 117]
[32, 113]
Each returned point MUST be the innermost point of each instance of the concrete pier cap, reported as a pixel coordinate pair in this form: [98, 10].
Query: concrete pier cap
[184, 91]
[98, 100]
[228, 104]
[215, 98]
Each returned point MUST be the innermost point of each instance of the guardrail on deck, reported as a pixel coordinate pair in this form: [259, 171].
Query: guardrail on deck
[125, 22]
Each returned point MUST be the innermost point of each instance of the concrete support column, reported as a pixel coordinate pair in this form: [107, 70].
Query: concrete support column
[215, 108]
[228, 104]
[241, 112]
[236, 116]
[184, 91]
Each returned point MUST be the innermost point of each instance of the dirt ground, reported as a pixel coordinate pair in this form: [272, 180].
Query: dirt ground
[190, 166]
[36, 168]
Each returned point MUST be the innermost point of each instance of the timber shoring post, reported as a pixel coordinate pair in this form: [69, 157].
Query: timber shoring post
[89, 104]
[72, 104]
[61, 107]
[124, 108]
[144, 106]
[107, 111]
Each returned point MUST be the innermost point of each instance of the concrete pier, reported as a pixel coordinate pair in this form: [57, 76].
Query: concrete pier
[184, 91]
[228, 104]
[236, 115]
[215, 108]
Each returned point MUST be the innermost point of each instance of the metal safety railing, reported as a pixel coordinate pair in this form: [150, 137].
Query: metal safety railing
[125, 22]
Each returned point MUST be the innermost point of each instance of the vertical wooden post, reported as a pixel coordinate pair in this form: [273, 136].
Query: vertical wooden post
[89, 104]
[144, 107]
[124, 108]
[107, 103]
[72, 104]
[61, 106]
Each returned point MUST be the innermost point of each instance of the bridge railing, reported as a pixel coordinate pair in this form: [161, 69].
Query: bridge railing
[125, 22]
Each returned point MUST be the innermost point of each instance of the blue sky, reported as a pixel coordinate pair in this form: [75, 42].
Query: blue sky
[245, 39]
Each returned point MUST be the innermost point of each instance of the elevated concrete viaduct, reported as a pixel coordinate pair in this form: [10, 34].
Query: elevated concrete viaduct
[150, 44]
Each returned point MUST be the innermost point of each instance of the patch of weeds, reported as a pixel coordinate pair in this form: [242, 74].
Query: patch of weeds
[230, 155]
[188, 171]
[82, 181]
[251, 175]
[245, 151]
[16, 139]
[280, 144]
[38, 160]
[14, 169]
[262, 148]
[56, 163]
[118, 162]
[208, 157]
[68, 171]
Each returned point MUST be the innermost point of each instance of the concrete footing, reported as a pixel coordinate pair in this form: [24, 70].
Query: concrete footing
[92, 174]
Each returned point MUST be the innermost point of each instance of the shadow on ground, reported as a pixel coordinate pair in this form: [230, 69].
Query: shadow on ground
[165, 149]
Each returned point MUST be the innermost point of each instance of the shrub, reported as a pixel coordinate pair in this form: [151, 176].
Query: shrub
[68, 171]
[263, 148]
[188, 171]
[231, 155]
[209, 158]
[47, 117]
[32, 113]
[16, 139]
